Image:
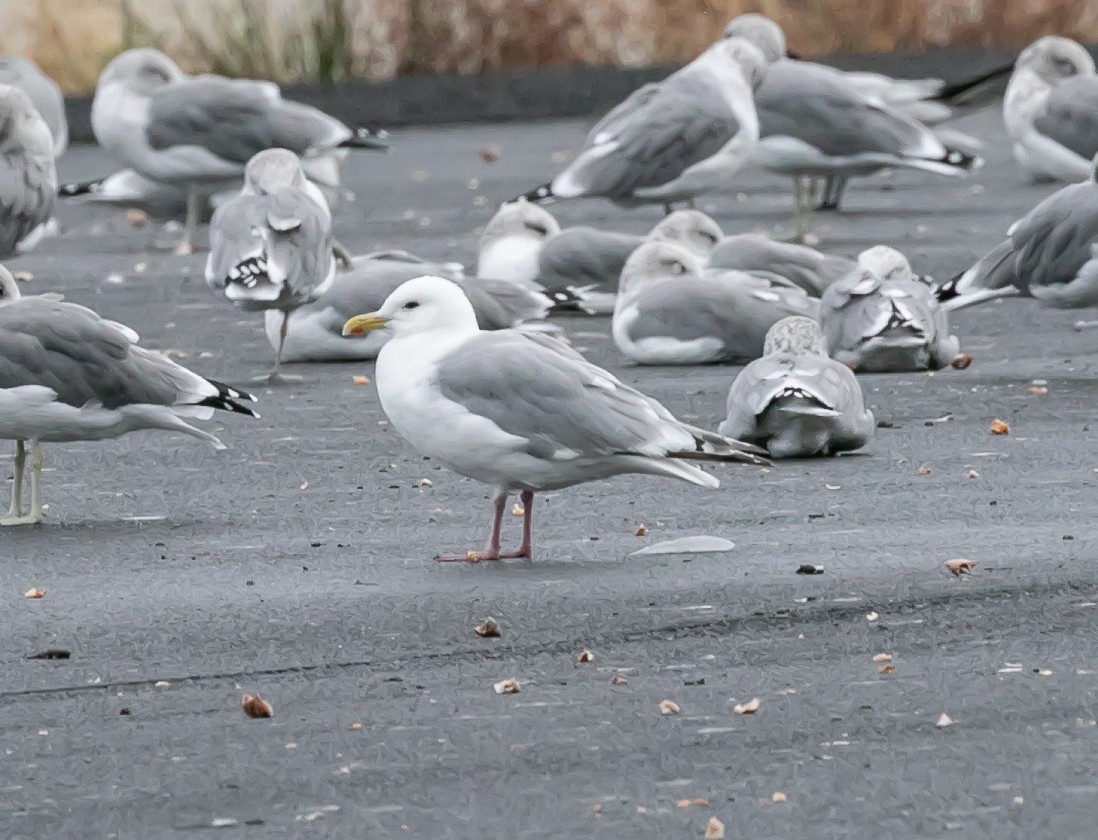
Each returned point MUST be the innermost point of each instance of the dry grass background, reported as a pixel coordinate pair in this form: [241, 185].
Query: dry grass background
[333, 39]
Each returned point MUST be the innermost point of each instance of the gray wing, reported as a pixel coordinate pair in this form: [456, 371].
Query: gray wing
[1053, 242]
[737, 314]
[659, 132]
[541, 391]
[28, 185]
[43, 93]
[809, 103]
[585, 256]
[83, 357]
[236, 119]
[500, 304]
[807, 268]
[1070, 116]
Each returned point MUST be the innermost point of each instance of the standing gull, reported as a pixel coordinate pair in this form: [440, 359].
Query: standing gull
[512, 240]
[761, 256]
[583, 264]
[1050, 254]
[814, 124]
[670, 311]
[1051, 110]
[271, 246]
[67, 374]
[795, 401]
[199, 132]
[881, 318]
[28, 179]
[315, 331]
[43, 93]
[673, 140]
[520, 411]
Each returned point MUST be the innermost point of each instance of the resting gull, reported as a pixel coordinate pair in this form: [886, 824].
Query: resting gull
[673, 140]
[671, 311]
[814, 124]
[66, 374]
[315, 331]
[43, 93]
[580, 266]
[1051, 110]
[512, 240]
[271, 246]
[882, 318]
[199, 132]
[1050, 254]
[520, 411]
[28, 179]
[762, 256]
[795, 401]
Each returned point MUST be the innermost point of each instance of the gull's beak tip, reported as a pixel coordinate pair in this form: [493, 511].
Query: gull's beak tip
[363, 324]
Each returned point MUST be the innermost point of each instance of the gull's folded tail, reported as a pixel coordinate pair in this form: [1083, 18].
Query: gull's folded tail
[538, 195]
[80, 188]
[367, 138]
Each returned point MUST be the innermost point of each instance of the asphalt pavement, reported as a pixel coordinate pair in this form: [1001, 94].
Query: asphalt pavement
[298, 564]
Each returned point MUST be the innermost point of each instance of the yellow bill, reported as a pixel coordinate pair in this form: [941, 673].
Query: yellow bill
[363, 324]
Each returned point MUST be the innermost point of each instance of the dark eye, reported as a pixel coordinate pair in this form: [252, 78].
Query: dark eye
[412, 304]
[541, 230]
[709, 237]
[1064, 67]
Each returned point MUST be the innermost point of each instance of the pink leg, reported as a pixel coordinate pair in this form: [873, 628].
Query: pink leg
[492, 552]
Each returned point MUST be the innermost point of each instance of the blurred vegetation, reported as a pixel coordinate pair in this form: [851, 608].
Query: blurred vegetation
[289, 40]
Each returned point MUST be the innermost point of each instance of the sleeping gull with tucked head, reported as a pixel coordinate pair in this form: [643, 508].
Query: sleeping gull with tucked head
[1051, 110]
[43, 93]
[512, 240]
[28, 179]
[271, 246]
[762, 256]
[796, 401]
[520, 411]
[67, 374]
[673, 140]
[199, 132]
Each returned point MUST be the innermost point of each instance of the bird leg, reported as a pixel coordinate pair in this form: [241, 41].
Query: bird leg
[833, 192]
[343, 257]
[276, 378]
[15, 514]
[190, 225]
[491, 551]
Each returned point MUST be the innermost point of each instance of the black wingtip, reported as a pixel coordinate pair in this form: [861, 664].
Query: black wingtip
[948, 290]
[227, 397]
[80, 188]
[538, 195]
[367, 138]
[962, 160]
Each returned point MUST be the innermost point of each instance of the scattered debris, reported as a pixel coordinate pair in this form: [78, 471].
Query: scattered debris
[748, 708]
[1044, 672]
[872, 616]
[22, 276]
[778, 796]
[34, 593]
[304, 485]
[137, 218]
[585, 657]
[960, 566]
[490, 154]
[291, 746]
[687, 545]
[1038, 390]
[518, 510]
[641, 531]
[51, 653]
[355, 727]
[924, 470]
[882, 657]
[256, 707]
[833, 486]
[426, 482]
[508, 686]
[998, 427]
[488, 629]
[360, 380]
[618, 679]
[161, 684]
[943, 721]
[597, 810]
[669, 707]
[961, 362]
[808, 569]
[714, 829]
[886, 669]
[973, 474]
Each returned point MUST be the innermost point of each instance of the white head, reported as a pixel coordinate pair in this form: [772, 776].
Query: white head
[1054, 59]
[691, 228]
[886, 263]
[142, 71]
[655, 260]
[739, 54]
[795, 336]
[520, 218]
[419, 305]
[271, 170]
[9, 289]
[21, 126]
[760, 31]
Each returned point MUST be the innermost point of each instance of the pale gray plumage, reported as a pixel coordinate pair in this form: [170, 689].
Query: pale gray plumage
[315, 330]
[673, 140]
[1051, 110]
[509, 246]
[582, 265]
[672, 311]
[877, 325]
[66, 374]
[521, 412]
[28, 179]
[43, 93]
[1050, 254]
[795, 401]
[764, 257]
[271, 246]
